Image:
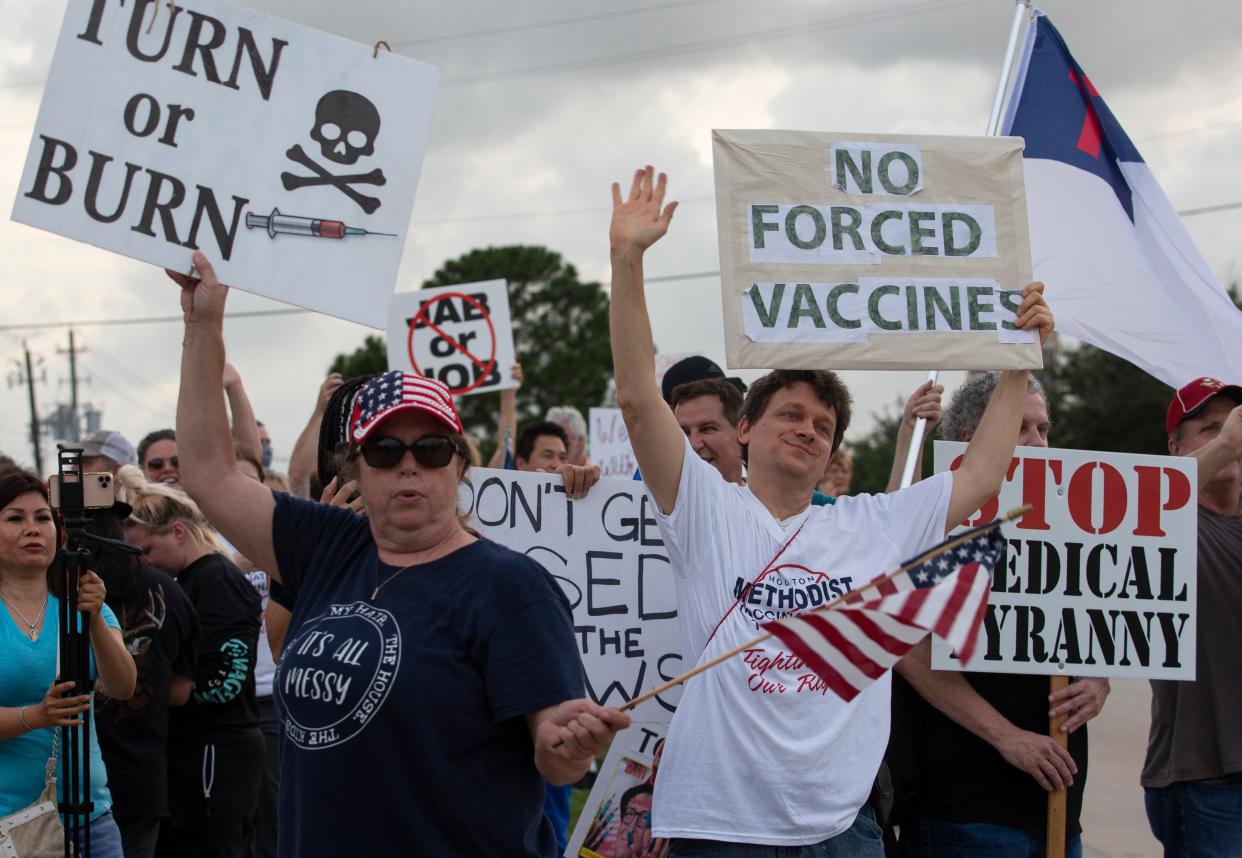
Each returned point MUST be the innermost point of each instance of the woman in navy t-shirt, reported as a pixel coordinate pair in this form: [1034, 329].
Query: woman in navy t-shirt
[430, 679]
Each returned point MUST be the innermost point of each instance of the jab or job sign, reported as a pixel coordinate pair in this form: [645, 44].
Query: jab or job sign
[1099, 577]
[288, 156]
[872, 251]
[460, 335]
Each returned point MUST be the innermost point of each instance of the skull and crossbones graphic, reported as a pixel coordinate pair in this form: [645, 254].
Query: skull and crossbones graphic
[346, 125]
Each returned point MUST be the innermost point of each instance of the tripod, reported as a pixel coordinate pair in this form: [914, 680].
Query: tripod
[75, 651]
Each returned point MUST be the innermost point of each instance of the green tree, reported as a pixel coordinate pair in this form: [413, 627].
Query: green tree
[1101, 402]
[873, 452]
[560, 334]
[369, 358]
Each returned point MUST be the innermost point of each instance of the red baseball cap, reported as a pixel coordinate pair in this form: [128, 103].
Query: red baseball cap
[396, 391]
[1195, 396]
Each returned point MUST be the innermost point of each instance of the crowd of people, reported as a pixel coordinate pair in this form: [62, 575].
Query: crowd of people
[333, 662]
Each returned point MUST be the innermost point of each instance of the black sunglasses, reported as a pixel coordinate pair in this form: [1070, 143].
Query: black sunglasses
[430, 451]
[157, 464]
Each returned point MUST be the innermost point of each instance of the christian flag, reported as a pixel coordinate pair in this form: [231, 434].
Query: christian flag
[1121, 271]
[943, 591]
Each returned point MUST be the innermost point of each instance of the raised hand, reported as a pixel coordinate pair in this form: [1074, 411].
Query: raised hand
[201, 300]
[1034, 312]
[641, 220]
[925, 403]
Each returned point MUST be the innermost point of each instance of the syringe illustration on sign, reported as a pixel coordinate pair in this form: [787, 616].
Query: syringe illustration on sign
[282, 224]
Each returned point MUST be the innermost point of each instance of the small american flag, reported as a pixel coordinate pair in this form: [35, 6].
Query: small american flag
[943, 591]
[398, 391]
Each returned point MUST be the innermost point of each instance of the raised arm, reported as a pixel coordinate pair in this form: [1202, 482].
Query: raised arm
[245, 426]
[925, 403]
[1226, 447]
[637, 223]
[236, 505]
[304, 458]
[979, 478]
[506, 428]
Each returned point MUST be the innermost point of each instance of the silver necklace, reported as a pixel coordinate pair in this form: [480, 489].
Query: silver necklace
[31, 634]
[379, 585]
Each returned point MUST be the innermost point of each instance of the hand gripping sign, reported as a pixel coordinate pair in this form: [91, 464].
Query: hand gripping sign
[459, 335]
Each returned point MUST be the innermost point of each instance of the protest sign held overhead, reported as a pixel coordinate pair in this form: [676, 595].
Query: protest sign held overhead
[872, 251]
[288, 156]
[609, 445]
[1100, 574]
[459, 335]
[606, 554]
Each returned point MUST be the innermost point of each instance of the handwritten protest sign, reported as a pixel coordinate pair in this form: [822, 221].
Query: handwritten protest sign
[606, 553]
[1099, 579]
[289, 156]
[610, 444]
[872, 251]
[460, 335]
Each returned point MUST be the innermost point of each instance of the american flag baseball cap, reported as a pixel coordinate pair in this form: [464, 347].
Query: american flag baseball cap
[1191, 397]
[396, 391]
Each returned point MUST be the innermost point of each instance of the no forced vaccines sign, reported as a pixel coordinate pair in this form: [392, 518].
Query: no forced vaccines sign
[459, 335]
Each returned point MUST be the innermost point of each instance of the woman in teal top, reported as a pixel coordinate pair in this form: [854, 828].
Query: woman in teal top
[32, 705]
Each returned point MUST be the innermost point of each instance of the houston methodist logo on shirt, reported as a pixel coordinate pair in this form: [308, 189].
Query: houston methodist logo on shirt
[784, 591]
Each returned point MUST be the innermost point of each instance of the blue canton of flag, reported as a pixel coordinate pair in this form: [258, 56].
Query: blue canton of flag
[1121, 271]
[943, 591]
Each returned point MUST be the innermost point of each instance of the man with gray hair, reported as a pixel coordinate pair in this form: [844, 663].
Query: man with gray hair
[982, 757]
[571, 420]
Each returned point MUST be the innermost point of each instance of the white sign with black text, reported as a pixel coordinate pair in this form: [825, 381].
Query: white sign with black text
[289, 156]
[1099, 577]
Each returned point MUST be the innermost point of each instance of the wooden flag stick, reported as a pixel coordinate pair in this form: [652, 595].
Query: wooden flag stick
[737, 650]
[1054, 843]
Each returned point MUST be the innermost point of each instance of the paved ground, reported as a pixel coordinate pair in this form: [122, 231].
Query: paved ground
[1114, 822]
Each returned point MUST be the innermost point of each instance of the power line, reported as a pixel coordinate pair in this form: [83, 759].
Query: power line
[559, 22]
[840, 22]
[247, 314]
[1224, 207]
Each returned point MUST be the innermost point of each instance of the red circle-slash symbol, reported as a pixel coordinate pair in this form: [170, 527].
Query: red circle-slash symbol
[484, 367]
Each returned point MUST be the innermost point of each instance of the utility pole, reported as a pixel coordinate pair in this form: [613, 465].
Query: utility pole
[75, 420]
[29, 380]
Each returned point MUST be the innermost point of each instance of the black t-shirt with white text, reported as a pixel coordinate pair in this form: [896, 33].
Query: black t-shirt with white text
[402, 714]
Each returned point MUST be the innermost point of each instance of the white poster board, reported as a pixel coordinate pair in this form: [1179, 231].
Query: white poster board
[610, 444]
[872, 251]
[606, 553]
[460, 335]
[1099, 578]
[289, 156]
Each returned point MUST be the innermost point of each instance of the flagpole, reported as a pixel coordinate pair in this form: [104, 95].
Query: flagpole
[738, 650]
[1021, 15]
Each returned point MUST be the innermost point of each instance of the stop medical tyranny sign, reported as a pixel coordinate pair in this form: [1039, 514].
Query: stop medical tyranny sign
[1099, 576]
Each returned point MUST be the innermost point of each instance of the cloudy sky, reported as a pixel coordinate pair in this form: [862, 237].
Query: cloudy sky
[545, 102]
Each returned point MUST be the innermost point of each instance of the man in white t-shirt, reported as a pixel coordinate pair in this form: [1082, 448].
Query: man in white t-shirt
[760, 751]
